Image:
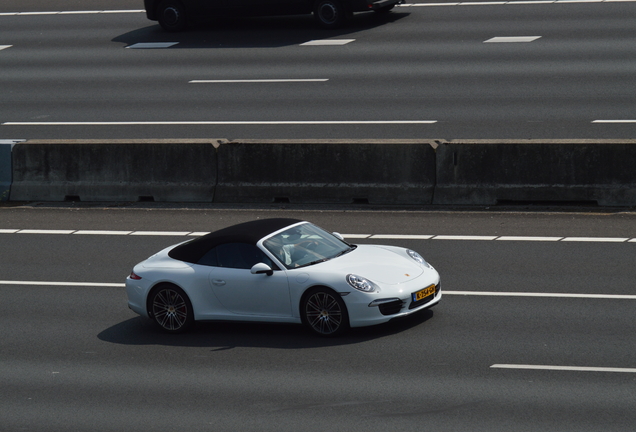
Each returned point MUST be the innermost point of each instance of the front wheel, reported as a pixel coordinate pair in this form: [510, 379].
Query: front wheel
[329, 13]
[171, 309]
[171, 15]
[324, 312]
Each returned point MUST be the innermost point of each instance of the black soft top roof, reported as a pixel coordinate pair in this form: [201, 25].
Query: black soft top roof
[248, 232]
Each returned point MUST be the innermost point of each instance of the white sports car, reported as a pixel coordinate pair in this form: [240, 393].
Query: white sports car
[281, 270]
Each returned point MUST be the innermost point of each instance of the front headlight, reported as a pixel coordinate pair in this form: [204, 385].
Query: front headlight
[361, 284]
[417, 257]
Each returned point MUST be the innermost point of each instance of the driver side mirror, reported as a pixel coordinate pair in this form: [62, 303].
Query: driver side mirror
[262, 268]
[338, 236]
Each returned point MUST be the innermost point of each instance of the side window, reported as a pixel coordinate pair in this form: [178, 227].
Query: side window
[209, 259]
[235, 255]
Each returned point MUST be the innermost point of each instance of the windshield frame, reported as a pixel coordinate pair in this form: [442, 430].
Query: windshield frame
[302, 245]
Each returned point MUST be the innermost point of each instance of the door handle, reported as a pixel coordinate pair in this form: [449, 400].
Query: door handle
[218, 282]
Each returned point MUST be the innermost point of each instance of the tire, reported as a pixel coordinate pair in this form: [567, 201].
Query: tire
[329, 13]
[324, 312]
[171, 15]
[170, 308]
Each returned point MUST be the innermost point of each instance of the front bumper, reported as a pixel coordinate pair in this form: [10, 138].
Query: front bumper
[366, 312]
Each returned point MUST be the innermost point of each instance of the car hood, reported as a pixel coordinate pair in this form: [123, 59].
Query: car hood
[380, 264]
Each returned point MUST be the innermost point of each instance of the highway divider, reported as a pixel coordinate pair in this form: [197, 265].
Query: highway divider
[385, 172]
[114, 170]
[5, 170]
[488, 172]
[323, 171]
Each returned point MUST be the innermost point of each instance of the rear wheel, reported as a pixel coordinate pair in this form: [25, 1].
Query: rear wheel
[329, 13]
[324, 312]
[171, 15]
[171, 309]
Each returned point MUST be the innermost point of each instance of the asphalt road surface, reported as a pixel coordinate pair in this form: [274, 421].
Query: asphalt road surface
[74, 358]
[441, 72]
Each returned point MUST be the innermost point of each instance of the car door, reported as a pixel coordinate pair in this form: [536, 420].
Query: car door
[244, 293]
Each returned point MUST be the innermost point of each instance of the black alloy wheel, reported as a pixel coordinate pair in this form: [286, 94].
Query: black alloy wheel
[171, 15]
[171, 309]
[329, 13]
[324, 312]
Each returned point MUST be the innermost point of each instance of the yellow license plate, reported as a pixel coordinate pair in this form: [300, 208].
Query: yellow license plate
[422, 294]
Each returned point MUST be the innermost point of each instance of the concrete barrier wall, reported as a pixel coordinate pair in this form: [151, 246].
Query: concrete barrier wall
[487, 172]
[327, 171]
[183, 171]
[387, 172]
[5, 171]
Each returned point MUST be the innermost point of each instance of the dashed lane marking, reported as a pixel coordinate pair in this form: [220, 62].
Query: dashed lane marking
[152, 45]
[121, 11]
[512, 39]
[3, 47]
[68, 284]
[327, 42]
[544, 295]
[564, 368]
[227, 81]
[222, 123]
[349, 236]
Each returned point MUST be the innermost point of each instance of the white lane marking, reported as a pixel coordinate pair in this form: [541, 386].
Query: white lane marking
[614, 121]
[472, 293]
[99, 232]
[517, 2]
[350, 236]
[2, 47]
[595, 239]
[547, 295]
[519, 238]
[512, 39]
[80, 284]
[35, 231]
[160, 233]
[471, 3]
[564, 368]
[321, 42]
[73, 12]
[151, 45]
[257, 81]
[221, 123]
[457, 237]
[427, 4]
[401, 236]
[85, 12]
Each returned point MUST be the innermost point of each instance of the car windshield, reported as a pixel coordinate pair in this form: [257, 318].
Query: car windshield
[305, 245]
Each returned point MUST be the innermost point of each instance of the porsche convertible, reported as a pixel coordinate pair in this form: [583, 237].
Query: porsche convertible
[281, 270]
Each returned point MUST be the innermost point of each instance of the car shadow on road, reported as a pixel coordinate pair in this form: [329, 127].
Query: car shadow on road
[267, 32]
[227, 335]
